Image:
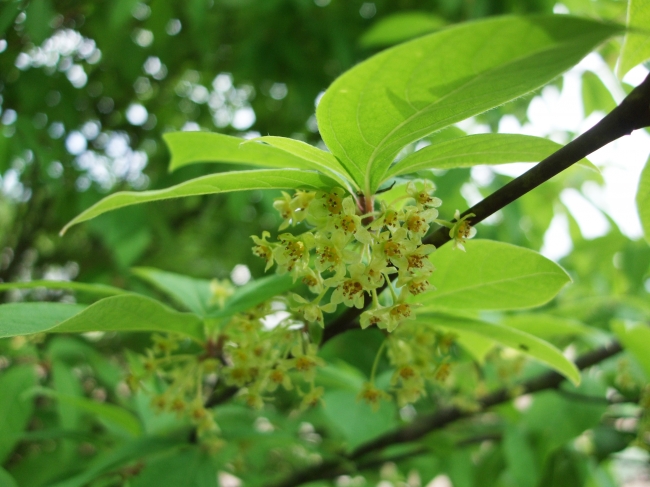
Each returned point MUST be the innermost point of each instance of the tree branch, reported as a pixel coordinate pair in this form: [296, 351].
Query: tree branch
[426, 424]
[633, 113]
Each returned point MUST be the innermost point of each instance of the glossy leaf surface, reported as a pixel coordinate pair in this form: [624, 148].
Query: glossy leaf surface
[492, 275]
[407, 92]
[211, 184]
[117, 313]
[509, 337]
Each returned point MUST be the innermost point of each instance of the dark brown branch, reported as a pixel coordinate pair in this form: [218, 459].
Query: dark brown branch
[633, 113]
[426, 424]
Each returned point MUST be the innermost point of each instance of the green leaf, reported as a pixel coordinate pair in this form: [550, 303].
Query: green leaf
[254, 293]
[27, 318]
[547, 326]
[108, 413]
[400, 27]
[192, 467]
[356, 419]
[643, 200]
[595, 95]
[510, 337]
[194, 294]
[636, 45]
[278, 152]
[407, 92]
[15, 408]
[474, 150]
[520, 457]
[85, 287]
[635, 337]
[211, 184]
[120, 455]
[117, 313]
[7, 480]
[319, 160]
[492, 275]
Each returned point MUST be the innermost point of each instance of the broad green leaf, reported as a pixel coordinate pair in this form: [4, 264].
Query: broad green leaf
[278, 152]
[635, 337]
[407, 92]
[64, 381]
[474, 150]
[595, 95]
[116, 313]
[320, 160]
[491, 275]
[509, 337]
[7, 480]
[101, 289]
[636, 45]
[193, 467]
[520, 457]
[15, 407]
[546, 326]
[477, 346]
[400, 27]
[27, 318]
[254, 293]
[643, 200]
[192, 293]
[108, 413]
[211, 184]
[355, 419]
[120, 455]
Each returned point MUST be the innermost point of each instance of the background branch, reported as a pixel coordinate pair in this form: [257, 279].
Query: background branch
[426, 424]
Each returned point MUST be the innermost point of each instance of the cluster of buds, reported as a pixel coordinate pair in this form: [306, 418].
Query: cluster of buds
[356, 254]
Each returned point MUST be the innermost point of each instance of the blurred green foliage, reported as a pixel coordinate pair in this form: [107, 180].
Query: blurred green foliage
[87, 89]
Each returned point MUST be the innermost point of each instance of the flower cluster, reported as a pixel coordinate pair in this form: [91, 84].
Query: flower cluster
[245, 353]
[355, 252]
[419, 356]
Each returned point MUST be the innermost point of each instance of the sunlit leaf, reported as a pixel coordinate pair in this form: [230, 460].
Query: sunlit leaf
[278, 152]
[492, 275]
[211, 184]
[399, 27]
[318, 159]
[509, 337]
[546, 326]
[116, 313]
[643, 200]
[636, 45]
[407, 92]
[595, 95]
[475, 150]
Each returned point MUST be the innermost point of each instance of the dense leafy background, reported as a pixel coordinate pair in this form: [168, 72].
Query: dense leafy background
[73, 129]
